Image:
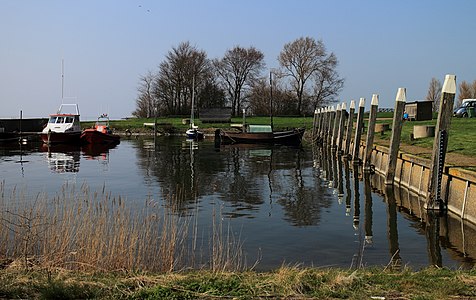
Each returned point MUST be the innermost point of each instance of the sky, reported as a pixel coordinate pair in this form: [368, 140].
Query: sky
[102, 47]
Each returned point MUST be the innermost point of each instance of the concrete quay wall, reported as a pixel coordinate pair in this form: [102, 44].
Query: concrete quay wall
[458, 185]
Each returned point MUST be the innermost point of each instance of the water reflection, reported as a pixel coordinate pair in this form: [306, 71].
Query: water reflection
[62, 158]
[304, 205]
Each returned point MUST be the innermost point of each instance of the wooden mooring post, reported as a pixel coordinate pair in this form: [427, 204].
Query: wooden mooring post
[335, 129]
[340, 134]
[440, 144]
[370, 132]
[358, 131]
[396, 135]
[330, 124]
[315, 123]
[348, 133]
[324, 125]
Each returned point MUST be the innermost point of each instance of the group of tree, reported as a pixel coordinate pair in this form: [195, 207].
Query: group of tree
[307, 78]
[465, 91]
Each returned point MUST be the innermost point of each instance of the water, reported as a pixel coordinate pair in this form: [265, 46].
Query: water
[285, 205]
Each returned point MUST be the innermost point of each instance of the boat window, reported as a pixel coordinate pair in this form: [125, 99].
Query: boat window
[69, 120]
[52, 120]
[60, 120]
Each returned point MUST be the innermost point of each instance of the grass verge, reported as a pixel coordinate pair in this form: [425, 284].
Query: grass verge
[283, 283]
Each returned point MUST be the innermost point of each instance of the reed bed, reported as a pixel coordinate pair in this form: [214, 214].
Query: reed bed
[82, 230]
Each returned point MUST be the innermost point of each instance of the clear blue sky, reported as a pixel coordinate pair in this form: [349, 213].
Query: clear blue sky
[107, 44]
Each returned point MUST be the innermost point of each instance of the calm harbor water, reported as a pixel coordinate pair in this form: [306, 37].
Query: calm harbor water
[286, 205]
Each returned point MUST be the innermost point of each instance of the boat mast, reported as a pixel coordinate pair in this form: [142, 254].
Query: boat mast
[193, 100]
[271, 99]
[62, 80]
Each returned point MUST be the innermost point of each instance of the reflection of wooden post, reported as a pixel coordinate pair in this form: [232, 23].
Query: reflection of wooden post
[442, 124]
[340, 134]
[330, 123]
[350, 122]
[358, 131]
[368, 209]
[370, 132]
[396, 135]
[392, 228]
[335, 130]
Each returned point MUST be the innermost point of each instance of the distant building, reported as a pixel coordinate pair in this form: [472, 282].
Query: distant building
[419, 110]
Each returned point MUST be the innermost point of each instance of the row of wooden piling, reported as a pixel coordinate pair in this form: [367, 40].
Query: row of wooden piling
[333, 127]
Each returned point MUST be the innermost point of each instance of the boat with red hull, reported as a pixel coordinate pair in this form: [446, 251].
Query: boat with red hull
[101, 133]
[63, 127]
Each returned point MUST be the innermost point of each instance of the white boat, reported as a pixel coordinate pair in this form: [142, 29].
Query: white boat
[63, 127]
[193, 132]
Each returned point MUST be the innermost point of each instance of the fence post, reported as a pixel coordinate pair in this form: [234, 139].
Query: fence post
[329, 124]
[341, 128]
[335, 130]
[396, 135]
[314, 125]
[370, 132]
[350, 122]
[358, 131]
[325, 117]
[439, 148]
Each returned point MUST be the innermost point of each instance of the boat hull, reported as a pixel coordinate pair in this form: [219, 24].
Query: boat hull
[288, 137]
[52, 137]
[92, 136]
[194, 134]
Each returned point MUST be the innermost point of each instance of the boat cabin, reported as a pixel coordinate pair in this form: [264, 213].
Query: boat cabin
[259, 129]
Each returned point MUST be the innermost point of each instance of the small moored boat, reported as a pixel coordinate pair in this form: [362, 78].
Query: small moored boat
[100, 133]
[193, 132]
[260, 134]
[63, 127]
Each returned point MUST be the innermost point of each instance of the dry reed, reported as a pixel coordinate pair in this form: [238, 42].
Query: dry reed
[84, 230]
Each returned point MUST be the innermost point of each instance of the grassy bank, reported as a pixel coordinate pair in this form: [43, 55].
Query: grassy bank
[284, 283]
[176, 124]
[462, 130]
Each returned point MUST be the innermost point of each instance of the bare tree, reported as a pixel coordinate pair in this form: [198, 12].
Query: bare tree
[145, 101]
[304, 58]
[465, 92]
[327, 84]
[238, 69]
[173, 86]
[434, 93]
[283, 102]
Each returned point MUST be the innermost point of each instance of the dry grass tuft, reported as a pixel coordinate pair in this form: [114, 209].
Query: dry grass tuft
[84, 230]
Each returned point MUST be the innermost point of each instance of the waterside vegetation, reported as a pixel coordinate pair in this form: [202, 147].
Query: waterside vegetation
[462, 130]
[80, 244]
[287, 282]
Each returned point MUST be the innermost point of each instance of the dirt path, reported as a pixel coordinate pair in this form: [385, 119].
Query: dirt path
[455, 159]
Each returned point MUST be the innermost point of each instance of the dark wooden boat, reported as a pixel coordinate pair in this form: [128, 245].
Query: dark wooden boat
[260, 134]
[100, 133]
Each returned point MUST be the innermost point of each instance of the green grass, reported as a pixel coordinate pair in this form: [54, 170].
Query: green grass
[175, 124]
[461, 140]
[462, 135]
[283, 283]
